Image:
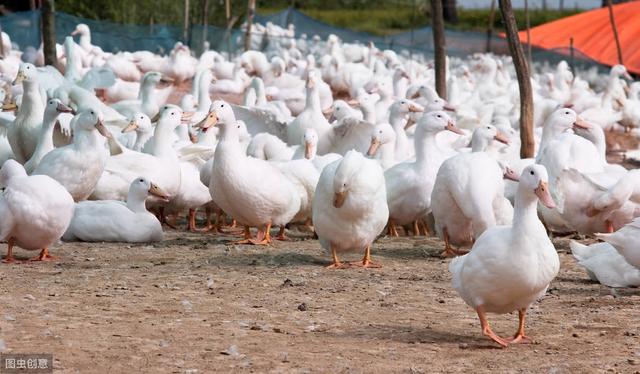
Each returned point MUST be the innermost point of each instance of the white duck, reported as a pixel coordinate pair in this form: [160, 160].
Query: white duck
[79, 165]
[141, 124]
[116, 221]
[510, 267]
[252, 191]
[160, 165]
[45, 141]
[625, 241]
[23, 134]
[311, 117]
[409, 184]
[605, 265]
[350, 207]
[309, 149]
[468, 193]
[35, 210]
[146, 102]
[383, 145]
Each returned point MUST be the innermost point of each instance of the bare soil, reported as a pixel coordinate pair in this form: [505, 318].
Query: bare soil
[197, 304]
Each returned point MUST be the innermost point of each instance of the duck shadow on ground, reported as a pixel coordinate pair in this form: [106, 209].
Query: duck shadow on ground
[421, 335]
[267, 259]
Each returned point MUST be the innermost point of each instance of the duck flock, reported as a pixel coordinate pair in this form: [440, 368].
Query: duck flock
[344, 141]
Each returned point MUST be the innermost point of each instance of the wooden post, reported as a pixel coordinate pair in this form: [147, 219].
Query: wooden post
[205, 22]
[437, 22]
[571, 58]
[251, 10]
[528, 26]
[1, 43]
[615, 31]
[185, 29]
[492, 16]
[561, 6]
[32, 4]
[527, 147]
[49, 32]
[227, 10]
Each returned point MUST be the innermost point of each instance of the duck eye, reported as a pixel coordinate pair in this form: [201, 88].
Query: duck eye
[532, 173]
[439, 116]
[92, 112]
[141, 180]
[222, 106]
[173, 113]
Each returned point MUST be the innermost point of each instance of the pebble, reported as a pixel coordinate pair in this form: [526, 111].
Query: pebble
[29, 297]
[9, 317]
[302, 307]
[231, 351]
[463, 345]
[575, 334]
[187, 305]
[632, 361]
[284, 357]
[210, 283]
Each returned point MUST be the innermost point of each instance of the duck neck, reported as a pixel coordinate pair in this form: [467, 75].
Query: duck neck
[135, 202]
[313, 99]
[141, 139]
[31, 100]
[88, 140]
[425, 145]
[479, 144]
[162, 140]
[147, 93]
[45, 142]
[204, 101]
[525, 212]
[387, 153]
[369, 114]
[398, 123]
[85, 41]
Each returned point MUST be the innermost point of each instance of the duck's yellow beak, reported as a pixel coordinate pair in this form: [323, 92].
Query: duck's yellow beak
[9, 107]
[373, 147]
[102, 129]
[19, 78]
[133, 125]
[339, 198]
[156, 117]
[308, 150]
[502, 138]
[210, 120]
[154, 190]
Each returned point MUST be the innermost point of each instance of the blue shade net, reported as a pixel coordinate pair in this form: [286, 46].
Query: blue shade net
[24, 30]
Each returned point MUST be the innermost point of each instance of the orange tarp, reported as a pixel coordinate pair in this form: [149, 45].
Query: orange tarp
[592, 34]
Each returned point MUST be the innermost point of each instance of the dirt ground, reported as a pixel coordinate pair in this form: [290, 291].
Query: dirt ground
[197, 304]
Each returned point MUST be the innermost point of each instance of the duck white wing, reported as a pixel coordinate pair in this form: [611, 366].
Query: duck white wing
[98, 77]
[605, 265]
[261, 120]
[112, 221]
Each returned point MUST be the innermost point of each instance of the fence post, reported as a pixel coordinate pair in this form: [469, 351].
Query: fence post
[251, 10]
[205, 22]
[185, 30]
[528, 25]
[492, 15]
[49, 32]
[615, 32]
[527, 147]
[571, 55]
[439, 47]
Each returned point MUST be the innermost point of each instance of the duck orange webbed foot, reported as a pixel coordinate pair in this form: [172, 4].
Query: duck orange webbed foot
[451, 252]
[281, 236]
[43, 256]
[520, 339]
[366, 264]
[338, 265]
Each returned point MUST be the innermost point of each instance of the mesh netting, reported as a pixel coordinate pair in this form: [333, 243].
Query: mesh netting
[24, 30]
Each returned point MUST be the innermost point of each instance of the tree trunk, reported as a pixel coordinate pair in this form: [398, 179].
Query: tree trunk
[185, 29]
[527, 148]
[205, 22]
[251, 10]
[492, 16]
[49, 32]
[450, 11]
[439, 47]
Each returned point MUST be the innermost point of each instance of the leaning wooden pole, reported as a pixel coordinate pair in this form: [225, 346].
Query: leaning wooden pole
[437, 22]
[251, 10]
[49, 32]
[527, 147]
[528, 26]
[185, 27]
[615, 32]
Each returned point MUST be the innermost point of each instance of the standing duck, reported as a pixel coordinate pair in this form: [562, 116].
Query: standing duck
[409, 184]
[79, 165]
[252, 191]
[350, 207]
[35, 210]
[23, 134]
[510, 267]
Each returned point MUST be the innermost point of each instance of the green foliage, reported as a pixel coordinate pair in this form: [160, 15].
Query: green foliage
[380, 17]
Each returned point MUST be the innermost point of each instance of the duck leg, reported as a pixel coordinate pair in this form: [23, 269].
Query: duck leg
[247, 237]
[486, 330]
[191, 221]
[609, 226]
[520, 337]
[281, 235]
[449, 251]
[416, 228]
[393, 231]
[366, 260]
[262, 238]
[336, 264]
[43, 256]
[163, 219]
[9, 257]
[423, 228]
